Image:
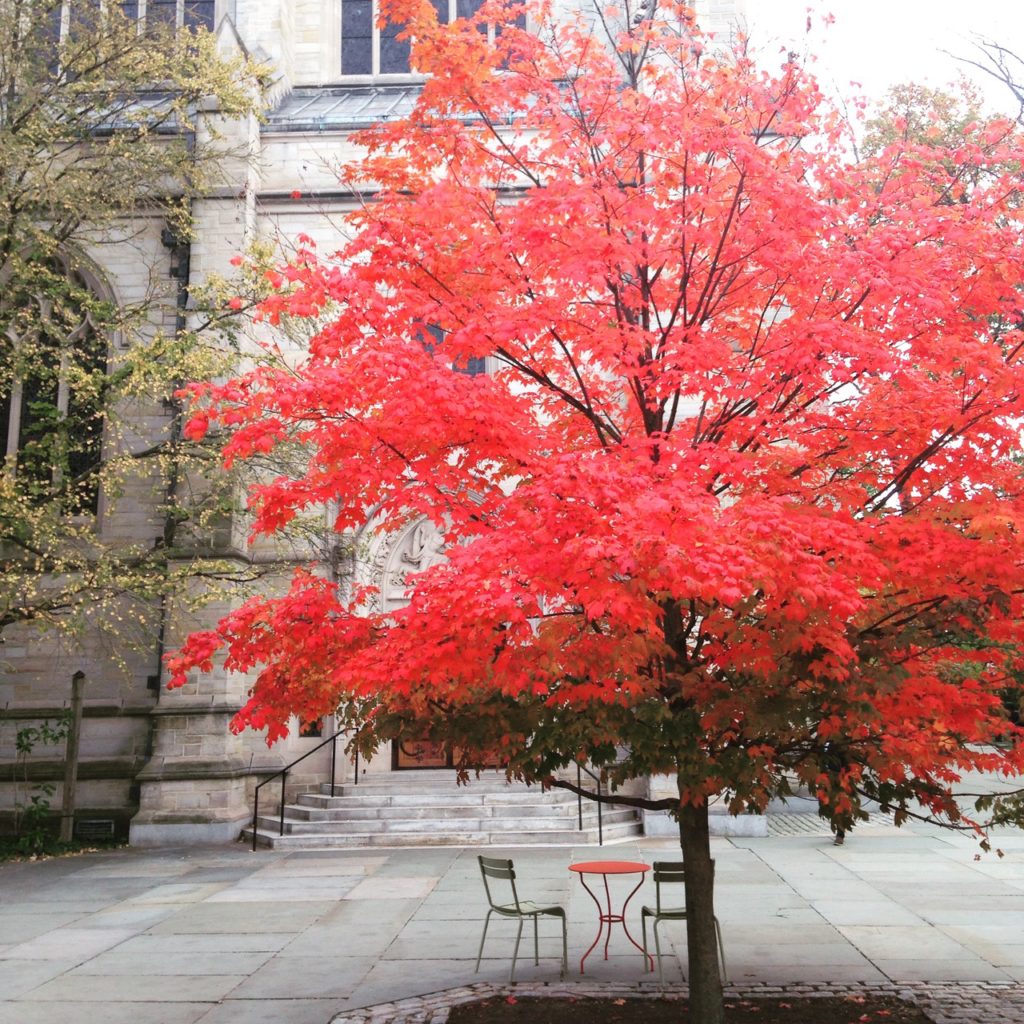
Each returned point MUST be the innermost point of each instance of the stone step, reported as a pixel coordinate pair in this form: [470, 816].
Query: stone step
[439, 788]
[561, 837]
[365, 812]
[413, 801]
[438, 823]
[419, 779]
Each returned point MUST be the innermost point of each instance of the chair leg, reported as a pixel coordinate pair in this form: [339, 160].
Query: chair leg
[536, 946]
[565, 951]
[515, 953]
[483, 939]
[643, 927]
[657, 946]
[721, 950]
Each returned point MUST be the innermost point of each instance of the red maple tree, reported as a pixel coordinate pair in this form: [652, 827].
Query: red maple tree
[740, 500]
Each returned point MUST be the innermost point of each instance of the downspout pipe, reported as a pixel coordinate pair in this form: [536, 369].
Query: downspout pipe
[181, 271]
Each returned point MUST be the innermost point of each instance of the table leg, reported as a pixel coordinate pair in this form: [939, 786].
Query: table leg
[609, 916]
[600, 919]
[625, 928]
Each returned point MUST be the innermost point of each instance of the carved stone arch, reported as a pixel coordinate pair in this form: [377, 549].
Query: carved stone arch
[391, 555]
[75, 258]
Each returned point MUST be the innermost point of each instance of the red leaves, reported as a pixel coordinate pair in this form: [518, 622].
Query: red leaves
[195, 429]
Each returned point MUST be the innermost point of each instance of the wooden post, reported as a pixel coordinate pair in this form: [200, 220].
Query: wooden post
[67, 814]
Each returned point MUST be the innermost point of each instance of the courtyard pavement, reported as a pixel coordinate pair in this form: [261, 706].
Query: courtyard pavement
[221, 935]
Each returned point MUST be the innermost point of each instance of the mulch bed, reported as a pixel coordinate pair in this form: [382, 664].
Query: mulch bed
[846, 1010]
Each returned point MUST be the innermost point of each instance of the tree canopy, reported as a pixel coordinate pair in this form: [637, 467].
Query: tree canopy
[741, 498]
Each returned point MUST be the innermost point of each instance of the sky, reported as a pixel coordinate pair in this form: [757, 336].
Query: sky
[879, 43]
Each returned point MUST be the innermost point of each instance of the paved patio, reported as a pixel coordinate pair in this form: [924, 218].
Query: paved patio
[222, 935]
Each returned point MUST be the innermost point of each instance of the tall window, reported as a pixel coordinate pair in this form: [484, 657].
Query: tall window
[369, 50]
[53, 363]
[172, 13]
[65, 16]
[199, 14]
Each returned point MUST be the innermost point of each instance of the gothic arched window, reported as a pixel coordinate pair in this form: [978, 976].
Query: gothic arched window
[53, 365]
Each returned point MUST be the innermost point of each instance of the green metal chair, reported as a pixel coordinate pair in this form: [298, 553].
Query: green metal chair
[668, 872]
[497, 871]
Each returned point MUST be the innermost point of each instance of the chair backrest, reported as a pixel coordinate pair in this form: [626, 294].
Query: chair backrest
[499, 870]
[671, 872]
[668, 872]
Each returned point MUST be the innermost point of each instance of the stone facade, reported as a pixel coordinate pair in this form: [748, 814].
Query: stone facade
[166, 761]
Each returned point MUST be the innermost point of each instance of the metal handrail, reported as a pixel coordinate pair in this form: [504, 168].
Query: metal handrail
[284, 778]
[579, 801]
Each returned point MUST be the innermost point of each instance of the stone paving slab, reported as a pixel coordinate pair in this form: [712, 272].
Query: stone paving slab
[113, 1012]
[872, 912]
[324, 976]
[391, 888]
[265, 916]
[18, 977]
[141, 988]
[285, 890]
[178, 893]
[23, 926]
[962, 968]
[119, 962]
[68, 943]
[197, 946]
[272, 1011]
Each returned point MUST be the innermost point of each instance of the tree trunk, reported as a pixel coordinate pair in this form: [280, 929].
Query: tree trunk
[705, 981]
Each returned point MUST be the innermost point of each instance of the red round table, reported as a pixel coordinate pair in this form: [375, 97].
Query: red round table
[605, 915]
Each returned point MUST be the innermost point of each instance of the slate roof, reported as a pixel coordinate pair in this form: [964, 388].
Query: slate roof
[340, 107]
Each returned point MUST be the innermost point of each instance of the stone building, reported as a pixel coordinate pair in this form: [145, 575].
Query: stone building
[163, 765]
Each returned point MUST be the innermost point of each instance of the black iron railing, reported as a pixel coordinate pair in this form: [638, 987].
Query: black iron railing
[283, 775]
[579, 801]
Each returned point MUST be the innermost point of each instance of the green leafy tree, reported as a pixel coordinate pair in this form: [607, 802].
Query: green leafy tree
[916, 114]
[102, 119]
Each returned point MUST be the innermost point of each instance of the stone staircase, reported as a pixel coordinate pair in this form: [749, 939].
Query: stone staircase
[426, 808]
